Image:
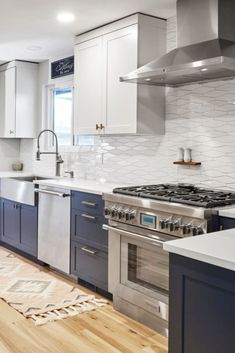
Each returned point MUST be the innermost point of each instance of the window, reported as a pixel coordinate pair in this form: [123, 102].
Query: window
[62, 115]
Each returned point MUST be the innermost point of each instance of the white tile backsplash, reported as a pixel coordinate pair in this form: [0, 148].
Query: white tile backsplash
[199, 116]
[9, 153]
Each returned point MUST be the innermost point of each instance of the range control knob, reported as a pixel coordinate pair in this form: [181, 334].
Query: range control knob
[168, 223]
[171, 226]
[107, 211]
[121, 214]
[183, 228]
[127, 215]
[200, 231]
[188, 228]
[132, 215]
[114, 212]
[176, 225]
[162, 224]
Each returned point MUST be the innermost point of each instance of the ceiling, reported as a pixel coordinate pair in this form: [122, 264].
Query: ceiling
[28, 23]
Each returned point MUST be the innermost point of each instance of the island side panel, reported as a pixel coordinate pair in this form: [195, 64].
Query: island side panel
[202, 307]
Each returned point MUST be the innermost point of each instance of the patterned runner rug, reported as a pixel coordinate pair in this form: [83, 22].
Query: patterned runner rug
[38, 295]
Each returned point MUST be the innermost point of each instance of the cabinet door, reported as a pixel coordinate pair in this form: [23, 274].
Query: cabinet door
[10, 223]
[88, 86]
[121, 55]
[28, 230]
[8, 102]
[26, 101]
[89, 264]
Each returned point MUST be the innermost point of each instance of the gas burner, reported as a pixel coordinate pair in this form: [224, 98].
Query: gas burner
[180, 193]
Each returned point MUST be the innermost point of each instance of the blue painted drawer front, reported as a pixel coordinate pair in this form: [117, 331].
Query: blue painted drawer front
[87, 227]
[19, 226]
[226, 223]
[89, 264]
[87, 202]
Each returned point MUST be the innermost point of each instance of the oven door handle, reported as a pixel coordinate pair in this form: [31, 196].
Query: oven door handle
[158, 242]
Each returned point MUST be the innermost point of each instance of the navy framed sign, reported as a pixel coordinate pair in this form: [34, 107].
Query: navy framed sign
[62, 67]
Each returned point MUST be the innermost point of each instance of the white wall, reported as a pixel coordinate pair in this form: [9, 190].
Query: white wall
[201, 117]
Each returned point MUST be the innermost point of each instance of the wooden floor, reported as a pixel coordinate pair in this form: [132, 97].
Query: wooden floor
[100, 331]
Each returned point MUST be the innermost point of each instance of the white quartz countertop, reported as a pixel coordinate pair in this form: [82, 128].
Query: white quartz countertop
[90, 186]
[227, 212]
[14, 174]
[213, 248]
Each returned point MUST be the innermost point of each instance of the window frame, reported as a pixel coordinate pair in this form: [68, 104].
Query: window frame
[50, 112]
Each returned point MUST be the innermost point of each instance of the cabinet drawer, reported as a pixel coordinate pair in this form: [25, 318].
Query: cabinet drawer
[87, 227]
[226, 223]
[89, 264]
[88, 202]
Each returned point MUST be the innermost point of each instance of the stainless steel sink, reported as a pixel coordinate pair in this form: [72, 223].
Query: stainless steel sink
[30, 179]
[20, 189]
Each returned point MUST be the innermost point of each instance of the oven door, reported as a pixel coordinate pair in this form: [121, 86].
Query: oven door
[139, 268]
[144, 266]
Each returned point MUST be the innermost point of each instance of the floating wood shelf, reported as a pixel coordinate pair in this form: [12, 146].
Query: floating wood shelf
[187, 163]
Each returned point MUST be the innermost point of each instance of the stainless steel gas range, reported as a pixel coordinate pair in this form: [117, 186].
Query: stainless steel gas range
[141, 219]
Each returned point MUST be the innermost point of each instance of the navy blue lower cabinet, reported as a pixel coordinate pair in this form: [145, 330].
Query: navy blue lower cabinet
[19, 226]
[90, 264]
[202, 307]
[29, 230]
[10, 223]
[226, 223]
[89, 242]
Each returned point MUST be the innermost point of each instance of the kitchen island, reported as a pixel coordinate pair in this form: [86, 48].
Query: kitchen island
[202, 293]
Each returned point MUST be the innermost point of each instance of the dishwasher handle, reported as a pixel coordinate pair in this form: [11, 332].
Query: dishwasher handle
[53, 193]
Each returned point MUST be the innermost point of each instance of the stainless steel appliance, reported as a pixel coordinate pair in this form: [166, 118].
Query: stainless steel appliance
[54, 227]
[206, 46]
[20, 189]
[141, 219]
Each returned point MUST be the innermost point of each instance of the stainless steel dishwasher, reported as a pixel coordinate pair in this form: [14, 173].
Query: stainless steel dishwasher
[54, 227]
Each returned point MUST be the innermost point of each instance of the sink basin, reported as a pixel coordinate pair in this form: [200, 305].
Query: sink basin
[30, 179]
[20, 189]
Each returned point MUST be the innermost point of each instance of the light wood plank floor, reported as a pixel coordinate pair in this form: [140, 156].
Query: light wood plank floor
[101, 331]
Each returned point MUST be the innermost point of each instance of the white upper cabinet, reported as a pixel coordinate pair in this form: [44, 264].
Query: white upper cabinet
[18, 100]
[103, 104]
[120, 99]
[88, 85]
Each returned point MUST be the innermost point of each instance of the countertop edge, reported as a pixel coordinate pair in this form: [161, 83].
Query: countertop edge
[195, 255]
[73, 188]
[97, 189]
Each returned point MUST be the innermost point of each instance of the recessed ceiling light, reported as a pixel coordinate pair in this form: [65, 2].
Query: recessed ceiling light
[205, 69]
[65, 17]
[148, 79]
[34, 47]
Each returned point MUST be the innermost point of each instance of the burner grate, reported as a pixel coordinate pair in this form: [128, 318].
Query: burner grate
[180, 193]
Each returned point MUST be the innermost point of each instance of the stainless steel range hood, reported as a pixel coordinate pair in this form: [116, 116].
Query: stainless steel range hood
[206, 47]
